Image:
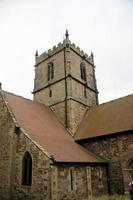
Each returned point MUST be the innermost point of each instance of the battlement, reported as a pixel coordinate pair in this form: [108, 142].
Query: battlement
[82, 53]
[59, 47]
[49, 53]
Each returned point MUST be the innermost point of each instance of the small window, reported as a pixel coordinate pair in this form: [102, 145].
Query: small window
[100, 177]
[50, 71]
[50, 93]
[85, 93]
[27, 169]
[71, 179]
[83, 71]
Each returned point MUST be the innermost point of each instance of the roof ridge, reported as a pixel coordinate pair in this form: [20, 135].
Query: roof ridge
[11, 93]
[105, 103]
[113, 100]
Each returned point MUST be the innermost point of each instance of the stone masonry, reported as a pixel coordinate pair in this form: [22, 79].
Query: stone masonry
[6, 151]
[12, 148]
[67, 94]
[50, 180]
[117, 149]
[65, 81]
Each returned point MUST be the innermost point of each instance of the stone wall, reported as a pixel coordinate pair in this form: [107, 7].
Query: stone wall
[41, 71]
[59, 110]
[99, 181]
[76, 60]
[85, 180]
[117, 149]
[57, 94]
[13, 145]
[49, 180]
[78, 93]
[6, 151]
[41, 175]
[76, 113]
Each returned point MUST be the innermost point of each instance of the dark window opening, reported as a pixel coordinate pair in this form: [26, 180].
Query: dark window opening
[85, 92]
[50, 93]
[27, 169]
[71, 179]
[50, 71]
[83, 71]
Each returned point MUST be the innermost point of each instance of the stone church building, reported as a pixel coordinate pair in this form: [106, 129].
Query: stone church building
[63, 144]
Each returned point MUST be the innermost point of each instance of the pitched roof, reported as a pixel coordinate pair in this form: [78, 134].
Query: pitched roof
[39, 122]
[111, 117]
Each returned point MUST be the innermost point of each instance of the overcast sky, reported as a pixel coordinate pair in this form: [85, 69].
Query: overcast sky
[102, 26]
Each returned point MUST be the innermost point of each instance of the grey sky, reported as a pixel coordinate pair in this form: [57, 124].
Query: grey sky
[102, 26]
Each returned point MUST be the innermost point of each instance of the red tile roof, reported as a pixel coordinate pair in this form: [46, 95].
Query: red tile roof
[111, 117]
[42, 126]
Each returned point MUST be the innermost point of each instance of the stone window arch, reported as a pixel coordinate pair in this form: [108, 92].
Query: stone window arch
[27, 169]
[83, 71]
[50, 71]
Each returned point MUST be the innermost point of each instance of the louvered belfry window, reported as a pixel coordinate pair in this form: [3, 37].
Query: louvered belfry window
[50, 71]
[83, 71]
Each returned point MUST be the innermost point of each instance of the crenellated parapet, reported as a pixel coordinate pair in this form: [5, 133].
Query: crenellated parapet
[65, 44]
[82, 53]
[49, 53]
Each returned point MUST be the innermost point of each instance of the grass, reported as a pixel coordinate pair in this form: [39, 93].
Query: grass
[114, 197]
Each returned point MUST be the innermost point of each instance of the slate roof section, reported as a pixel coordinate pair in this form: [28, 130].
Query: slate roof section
[40, 123]
[108, 118]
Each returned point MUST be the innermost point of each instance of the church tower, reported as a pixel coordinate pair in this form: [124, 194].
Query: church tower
[65, 81]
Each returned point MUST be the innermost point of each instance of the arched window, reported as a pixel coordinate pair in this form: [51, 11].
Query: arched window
[83, 71]
[50, 71]
[27, 169]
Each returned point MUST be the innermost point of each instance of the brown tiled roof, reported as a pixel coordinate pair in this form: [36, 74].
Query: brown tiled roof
[111, 117]
[39, 122]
